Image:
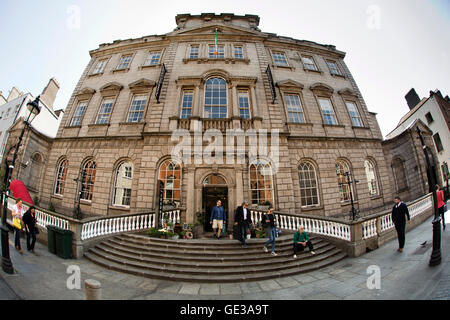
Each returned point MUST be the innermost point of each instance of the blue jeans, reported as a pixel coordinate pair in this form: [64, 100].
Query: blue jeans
[272, 237]
[31, 240]
[17, 238]
[244, 231]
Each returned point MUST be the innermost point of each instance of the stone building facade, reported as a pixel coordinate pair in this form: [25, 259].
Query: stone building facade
[120, 119]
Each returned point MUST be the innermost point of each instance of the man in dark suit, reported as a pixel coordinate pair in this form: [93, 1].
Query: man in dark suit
[399, 214]
[243, 220]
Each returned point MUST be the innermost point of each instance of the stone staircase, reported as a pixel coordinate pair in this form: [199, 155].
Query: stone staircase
[209, 260]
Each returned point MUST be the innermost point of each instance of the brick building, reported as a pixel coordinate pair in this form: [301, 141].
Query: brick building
[116, 133]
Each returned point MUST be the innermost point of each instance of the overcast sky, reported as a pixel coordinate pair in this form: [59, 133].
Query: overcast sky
[391, 46]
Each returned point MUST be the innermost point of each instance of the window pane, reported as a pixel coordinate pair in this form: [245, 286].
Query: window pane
[327, 111]
[152, 59]
[308, 184]
[105, 111]
[333, 68]
[61, 177]
[220, 54]
[244, 105]
[124, 62]
[170, 175]
[279, 58]
[78, 115]
[309, 63]
[354, 114]
[123, 184]
[294, 107]
[261, 183]
[88, 179]
[215, 98]
[238, 52]
[186, 106]
[137, 109]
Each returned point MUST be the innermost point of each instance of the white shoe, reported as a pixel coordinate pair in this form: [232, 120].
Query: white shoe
[313, 253]
[265, 249]
[274, 254]
[295, 256]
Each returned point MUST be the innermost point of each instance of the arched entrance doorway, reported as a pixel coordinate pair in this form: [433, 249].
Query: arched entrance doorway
[214, 188]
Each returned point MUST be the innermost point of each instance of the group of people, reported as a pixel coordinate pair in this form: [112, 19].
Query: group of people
[243, 220]
[27, 222]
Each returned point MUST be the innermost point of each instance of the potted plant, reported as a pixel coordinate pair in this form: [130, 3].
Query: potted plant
[153, 233]
[182, 234]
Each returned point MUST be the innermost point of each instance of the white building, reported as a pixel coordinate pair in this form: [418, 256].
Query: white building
[434, 111]
[15, 106]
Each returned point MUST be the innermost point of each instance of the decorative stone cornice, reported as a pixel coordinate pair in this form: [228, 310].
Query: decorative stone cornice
[111, 88]
[290, 85]
[322, 88]
[142, 85]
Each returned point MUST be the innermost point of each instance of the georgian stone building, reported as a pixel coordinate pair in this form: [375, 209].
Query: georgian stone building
[116, 132]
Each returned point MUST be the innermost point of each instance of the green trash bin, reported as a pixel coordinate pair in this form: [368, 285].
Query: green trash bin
[51, 239]
[63, 243]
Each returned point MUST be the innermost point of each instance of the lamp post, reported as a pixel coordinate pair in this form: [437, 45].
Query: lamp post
[34, 110]
[436, 253]
[349, 182]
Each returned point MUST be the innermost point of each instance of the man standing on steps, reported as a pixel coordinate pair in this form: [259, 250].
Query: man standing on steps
[217, 218]
[243, 220]
[271, 231]
[301, 240]
[399, 214]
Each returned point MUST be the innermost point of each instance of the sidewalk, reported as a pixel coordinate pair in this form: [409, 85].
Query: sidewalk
[403, 276]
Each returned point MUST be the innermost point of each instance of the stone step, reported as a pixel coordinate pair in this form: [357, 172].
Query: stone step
[261, 259]
[242, 255]
[215, 252]
[199, 244]
[214, 278]
[218, 270]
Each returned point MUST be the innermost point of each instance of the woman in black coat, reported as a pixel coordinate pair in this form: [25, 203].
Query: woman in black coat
[29, 219]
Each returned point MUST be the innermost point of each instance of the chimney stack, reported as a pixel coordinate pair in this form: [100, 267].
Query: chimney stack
[2, 98]
[412, 98]
[13, 94]
[48, 96]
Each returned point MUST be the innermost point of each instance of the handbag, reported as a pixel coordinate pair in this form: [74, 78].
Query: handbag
[17, 223]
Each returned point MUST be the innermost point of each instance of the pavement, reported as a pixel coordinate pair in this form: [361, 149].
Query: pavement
[403, 276]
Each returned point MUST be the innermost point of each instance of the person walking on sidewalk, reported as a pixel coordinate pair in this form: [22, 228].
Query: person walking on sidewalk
[271, 230]
[399, 214]
[17, 212]
[243, 220]
[301, 240]
[218, 218]
[29, 219]
[441, 203]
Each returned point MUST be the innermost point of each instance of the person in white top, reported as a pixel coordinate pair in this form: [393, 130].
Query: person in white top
[17, 211]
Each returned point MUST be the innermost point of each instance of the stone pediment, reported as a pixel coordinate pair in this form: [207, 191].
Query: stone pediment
[142, 84]
[85, 93]
[210, 29]
[322, 87]
[111, 87]
[290, 84]
[347, 92]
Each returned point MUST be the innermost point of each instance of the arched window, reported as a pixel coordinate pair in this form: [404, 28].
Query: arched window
[309, 191]
[170, 175]
[342, 169]
[399, 174]
[88, 180]
[215, 99]
[35, 171]
[371, 176]
[214, 180]
[61, 174]
[261, 183]
[122, 184]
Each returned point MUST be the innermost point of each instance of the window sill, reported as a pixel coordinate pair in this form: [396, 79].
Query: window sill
[131, 123]
[71, 127]
[362, 128]
[300, 124]
[333, 125]
[86, 202]
[311, 208]
[121, 208]
[57, 196]
[99, 125]
[377, 197]
[92, 75]
[275, 66]
[313, 71]
[348, 203]
[338, 75]
[150, 66]
[120, 70]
